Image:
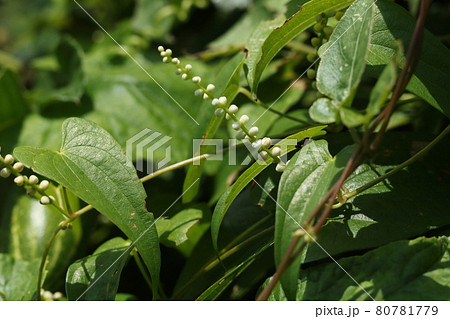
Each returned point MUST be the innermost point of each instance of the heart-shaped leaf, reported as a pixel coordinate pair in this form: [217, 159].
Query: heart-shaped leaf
[93, 166]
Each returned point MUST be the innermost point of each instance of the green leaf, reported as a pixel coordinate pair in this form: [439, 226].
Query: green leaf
[27, 227]
[13, 106]
[254, 44]
[323, 111]
[93, 166]
[68, 82]
[342, 64]
[173, 232]
[229, 86]
[371, 218]
[303, 184]
[228, 197]
[18, 279]
[238, 34]
[280, 36]
[215, 290]
[386, 273]
[382, 89]
[246, 228]
[432, 75]
[96, 277]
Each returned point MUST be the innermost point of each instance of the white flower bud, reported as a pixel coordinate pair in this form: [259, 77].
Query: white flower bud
[9, 159]
[188, 67]
[227, 116]
[256, 144]
[166, 60]
[276, 151]
[33, 179]
[219, 112]
[254, 131]
[215, 102]
[222, 100]
[196, 79]
[210, 87]
[244, 119]
[58, 295]
[176, 61]
[18, 167]
[45, 200]
[184, 76]
[233, 109]
[280, 167]
[198, 92]
[52, 198]
[19, 180]
[205, 96]
[178, 71]
[236, 126]
[240, 135]
[163, 53]
[169, 52]
[43, 186]
[5, 172]
[266, 141]
[160, 48]
[263, 155]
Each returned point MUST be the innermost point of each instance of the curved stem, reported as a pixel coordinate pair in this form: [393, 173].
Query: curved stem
[43, 260]
[175, 166]
[215, 261]
[142, 268]
[365, 147]
[398, 168]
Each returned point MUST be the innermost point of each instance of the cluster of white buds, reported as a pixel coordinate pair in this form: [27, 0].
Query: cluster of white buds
[222, 107]
[30, 183]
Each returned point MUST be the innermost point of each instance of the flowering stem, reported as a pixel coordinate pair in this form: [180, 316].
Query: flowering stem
[43, 260]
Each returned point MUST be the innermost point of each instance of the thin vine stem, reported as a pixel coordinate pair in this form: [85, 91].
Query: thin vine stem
[362, 151]
[225, 253]
[398, 168]
[43, 260]
[142, 268]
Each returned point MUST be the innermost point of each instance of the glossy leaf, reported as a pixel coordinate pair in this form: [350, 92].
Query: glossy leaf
[228, 84]
[18, 279]
[382, 88]
[28, 227]
[385, 273]
[323, 111]
[303, 184]
[281, 35]
[371, 218]
[245, 178]
[343, 62]
[96, 277]
[432, 75]
[93, 166]
[173, 231]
